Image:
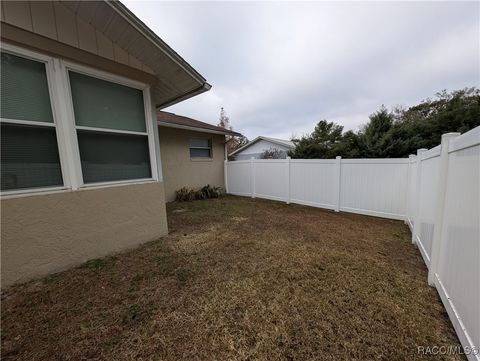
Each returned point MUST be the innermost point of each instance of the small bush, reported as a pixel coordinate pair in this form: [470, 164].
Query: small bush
[185, 194]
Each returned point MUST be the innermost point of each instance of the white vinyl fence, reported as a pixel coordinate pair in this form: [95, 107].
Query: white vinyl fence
[436, 192]
[368, 186]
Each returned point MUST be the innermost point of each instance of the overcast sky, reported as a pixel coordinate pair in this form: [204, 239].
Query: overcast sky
[279, 67]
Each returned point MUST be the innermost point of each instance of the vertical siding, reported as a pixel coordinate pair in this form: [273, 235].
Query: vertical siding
[87, 39]
[105, 46]
[66, 25]
[58, 21]
[120, 55]
[18, 13]
[43, 18]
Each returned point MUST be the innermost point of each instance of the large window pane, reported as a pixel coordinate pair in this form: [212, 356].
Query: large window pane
[199, 153]
[24, 90]
[29, 157]
[112, 157]
[199, 143]
[103, 104]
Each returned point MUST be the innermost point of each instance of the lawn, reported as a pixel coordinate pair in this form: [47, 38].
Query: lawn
[238, 279]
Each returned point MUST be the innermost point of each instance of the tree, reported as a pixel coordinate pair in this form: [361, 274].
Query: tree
[321, 143]
[233, 142]
[272, 153]
[224, 120]
[396, 133]
[374, 138]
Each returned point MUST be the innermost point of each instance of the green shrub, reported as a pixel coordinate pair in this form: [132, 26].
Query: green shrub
[185, 194]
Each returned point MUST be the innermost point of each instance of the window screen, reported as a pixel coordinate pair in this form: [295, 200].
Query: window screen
[29, 157]
[103, 104]
[107, 155]
[29, 154]
[200, 148]
[111, 157]
[24, 90]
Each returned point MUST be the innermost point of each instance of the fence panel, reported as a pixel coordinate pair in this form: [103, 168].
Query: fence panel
[429, 163]
[374, 186]
[313, 182]
[411, 191]
[238, 177]
[271, 179]
[457, 276]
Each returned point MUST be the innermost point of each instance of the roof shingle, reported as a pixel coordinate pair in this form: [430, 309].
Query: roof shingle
[179, 121]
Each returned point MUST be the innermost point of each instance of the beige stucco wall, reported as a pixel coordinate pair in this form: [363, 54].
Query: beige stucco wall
[41, 234]
[181, 171]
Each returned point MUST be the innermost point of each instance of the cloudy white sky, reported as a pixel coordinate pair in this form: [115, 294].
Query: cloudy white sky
[279, 67]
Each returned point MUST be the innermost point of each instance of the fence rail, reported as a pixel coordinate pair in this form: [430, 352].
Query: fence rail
[436, 192]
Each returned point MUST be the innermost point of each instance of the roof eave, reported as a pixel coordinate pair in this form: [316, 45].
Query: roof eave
[256, 140]
[199, 83]
[201, 89]
[123, 11]
[196, 129]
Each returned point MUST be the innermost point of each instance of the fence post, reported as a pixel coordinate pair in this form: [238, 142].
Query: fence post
[289, 169]
[440, 207]
[225, 175]
[338, 176]
[416, 218]
[407, 200]
[252, 176]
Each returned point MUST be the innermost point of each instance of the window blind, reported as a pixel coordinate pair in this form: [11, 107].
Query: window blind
[102, 104]
[24, 90]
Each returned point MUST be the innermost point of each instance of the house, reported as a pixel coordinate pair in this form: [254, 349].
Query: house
[81, 165]
[260, 144]
[192, 152]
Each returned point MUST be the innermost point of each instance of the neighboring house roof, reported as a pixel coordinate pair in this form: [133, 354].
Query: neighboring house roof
[176, 80]
[283, 142]
[171, 120]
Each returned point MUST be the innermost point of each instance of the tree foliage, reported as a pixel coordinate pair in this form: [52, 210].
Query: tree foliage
[272, 153]
[395, 133]
[233, 143]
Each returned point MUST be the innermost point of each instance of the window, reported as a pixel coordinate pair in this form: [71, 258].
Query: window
[200, 148]
[100, 132]
[111, 130]
[29, 149]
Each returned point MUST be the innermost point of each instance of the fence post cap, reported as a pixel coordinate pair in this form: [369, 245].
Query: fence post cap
[338, 157]
[421, 150]
[450, 135]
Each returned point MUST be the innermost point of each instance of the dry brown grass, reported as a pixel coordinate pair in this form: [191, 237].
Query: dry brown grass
[238, 279]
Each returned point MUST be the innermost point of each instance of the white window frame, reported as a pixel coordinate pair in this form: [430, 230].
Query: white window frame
[66, 128]
[67, 66]
[210, 142]
[50, 73]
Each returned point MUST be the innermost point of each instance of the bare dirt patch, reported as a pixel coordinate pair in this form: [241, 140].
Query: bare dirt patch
[238, 279]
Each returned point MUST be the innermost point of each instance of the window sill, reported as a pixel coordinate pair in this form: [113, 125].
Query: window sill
[32, 192]
[201, 159]
[53, 190]
[117, 183]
